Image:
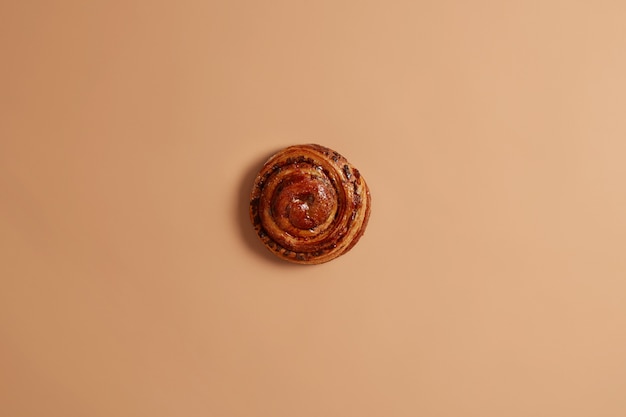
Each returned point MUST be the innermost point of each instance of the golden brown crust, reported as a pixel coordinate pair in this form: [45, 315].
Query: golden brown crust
[309, 205]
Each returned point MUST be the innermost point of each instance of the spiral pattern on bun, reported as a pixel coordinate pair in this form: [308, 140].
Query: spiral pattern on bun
[309, 205]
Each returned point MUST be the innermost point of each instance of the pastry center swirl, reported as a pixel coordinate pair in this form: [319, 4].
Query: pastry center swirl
[305, 200]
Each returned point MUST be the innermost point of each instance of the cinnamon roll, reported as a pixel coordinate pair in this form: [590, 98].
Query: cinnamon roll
[309, 205]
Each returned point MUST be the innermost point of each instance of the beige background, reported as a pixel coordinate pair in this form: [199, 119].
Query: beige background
[491, 280]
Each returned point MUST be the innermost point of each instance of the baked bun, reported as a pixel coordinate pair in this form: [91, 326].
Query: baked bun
[309, 205]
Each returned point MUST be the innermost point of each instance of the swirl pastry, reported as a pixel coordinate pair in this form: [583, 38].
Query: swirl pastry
[309, 205]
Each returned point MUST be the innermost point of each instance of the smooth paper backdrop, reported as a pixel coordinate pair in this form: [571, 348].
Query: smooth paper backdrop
[491, 280]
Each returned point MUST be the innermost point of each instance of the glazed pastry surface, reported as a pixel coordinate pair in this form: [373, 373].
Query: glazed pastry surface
[309, 205]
